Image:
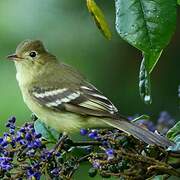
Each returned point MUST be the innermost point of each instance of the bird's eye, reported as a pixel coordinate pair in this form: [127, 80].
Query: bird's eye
[32, 54]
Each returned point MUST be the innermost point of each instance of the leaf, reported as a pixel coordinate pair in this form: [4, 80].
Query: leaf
[144, 117]
[174, 131]
[99, 18]
[178, 2]
[152, 59]
[174, 135]
[176, 149]
[144, 83]
[159, 177]
[176, 139]
[146, 25]
[141, 23]
[47, 133]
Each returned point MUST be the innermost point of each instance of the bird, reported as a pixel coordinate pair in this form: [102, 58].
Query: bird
[61, 97]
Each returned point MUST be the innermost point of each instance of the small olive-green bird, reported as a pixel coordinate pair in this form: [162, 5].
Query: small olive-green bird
[61, 97]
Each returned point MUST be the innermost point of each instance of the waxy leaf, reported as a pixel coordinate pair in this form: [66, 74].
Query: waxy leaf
[159, 177]
[144, 83]
[99, 18]
[148, 26]
[176, 147]
[151, 59]
[174, 135]
[47, 132]
[174, 131]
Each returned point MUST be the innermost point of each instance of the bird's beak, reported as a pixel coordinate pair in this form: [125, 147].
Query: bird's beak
[14, 57]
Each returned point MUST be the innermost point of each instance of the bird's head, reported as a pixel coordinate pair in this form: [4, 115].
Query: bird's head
[31, 52]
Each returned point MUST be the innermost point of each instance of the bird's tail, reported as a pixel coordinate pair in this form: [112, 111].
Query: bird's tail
[140, 133]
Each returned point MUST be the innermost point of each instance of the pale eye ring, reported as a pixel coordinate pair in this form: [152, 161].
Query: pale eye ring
[33, 54]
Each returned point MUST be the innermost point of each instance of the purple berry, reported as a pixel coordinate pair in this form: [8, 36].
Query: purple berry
[109, 152]
[38, 136]
[58, 154]
[28, 137]
[93, 134]
[83, 132]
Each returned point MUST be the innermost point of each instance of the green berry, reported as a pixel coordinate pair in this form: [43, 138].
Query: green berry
[92, 172]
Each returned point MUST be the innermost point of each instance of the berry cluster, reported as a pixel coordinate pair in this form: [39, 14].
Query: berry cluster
[26, 154]
[118, 152]
[106, 159]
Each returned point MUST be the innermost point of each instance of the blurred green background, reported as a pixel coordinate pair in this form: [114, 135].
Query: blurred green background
[68, 31]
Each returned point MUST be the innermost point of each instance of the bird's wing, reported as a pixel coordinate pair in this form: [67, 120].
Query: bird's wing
[84, 100]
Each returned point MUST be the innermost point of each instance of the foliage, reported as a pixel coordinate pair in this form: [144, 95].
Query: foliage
[99, 18]
[34, 151]
[144, 83]
[174, 131]
[143, 24]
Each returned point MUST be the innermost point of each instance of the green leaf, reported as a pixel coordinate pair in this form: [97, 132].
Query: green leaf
[174, 135]
[175, 149]
[174, 131]
[147, 65]
[178, 2]
[147, 25]
[99, 18]
[144, 83]
[177, 146]
[47, 132]
[159, 177]
[144, 117]
[152, 59]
